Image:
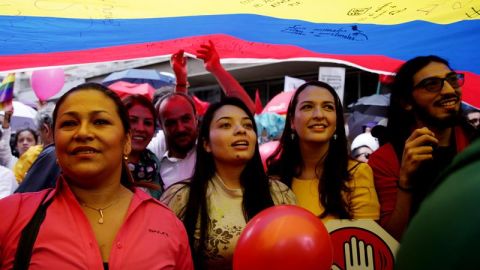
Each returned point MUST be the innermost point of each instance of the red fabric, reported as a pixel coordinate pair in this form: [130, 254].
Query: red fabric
[386, 171]
[228, 47]
[258, 103]
[123, 89]
[386, 79]
[200, 106]
[151, 237]
[279, 103]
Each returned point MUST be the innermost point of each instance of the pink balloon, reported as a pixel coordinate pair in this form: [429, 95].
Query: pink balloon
[284, 238]
[47, 82]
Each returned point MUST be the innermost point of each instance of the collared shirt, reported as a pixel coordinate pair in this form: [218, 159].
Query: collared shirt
[151, 237]
[172, 170]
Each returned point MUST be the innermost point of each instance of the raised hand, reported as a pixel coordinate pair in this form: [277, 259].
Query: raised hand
[230, 86]
[210, 57]
[418, 148]
[179, 66]
[7, 117]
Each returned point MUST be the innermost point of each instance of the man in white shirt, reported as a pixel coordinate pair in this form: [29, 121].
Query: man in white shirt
[174, 145]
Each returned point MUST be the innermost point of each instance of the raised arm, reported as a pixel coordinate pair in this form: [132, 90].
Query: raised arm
[179, 66]
[6, 157]
[228, 83]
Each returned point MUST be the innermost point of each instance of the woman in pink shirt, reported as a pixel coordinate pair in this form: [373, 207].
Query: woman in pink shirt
[94, 218]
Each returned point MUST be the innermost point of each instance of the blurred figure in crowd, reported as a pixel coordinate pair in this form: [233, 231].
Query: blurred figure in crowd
[363, 146]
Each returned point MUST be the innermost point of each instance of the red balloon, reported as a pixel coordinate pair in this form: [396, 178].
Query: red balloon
[279, 103]
[284, 237]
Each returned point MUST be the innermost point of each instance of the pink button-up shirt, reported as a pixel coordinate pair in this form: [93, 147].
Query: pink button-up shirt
[151, 236]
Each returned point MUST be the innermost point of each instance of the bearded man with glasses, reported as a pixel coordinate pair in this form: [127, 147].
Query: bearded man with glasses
[425, 131]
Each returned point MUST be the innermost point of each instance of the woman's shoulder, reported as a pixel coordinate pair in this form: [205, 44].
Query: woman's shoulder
[176, 197]
[18, 208]
[26, 199]
[355, 166]
[181, 188]
[276, 183]
[361, 173]
[281, 193]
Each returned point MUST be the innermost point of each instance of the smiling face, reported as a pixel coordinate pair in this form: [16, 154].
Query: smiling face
[314, 119]
[142, 127]
[438, 109]
[232, 138]
[90, 139]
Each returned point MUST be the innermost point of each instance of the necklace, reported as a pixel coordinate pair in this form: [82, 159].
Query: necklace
[100, 210]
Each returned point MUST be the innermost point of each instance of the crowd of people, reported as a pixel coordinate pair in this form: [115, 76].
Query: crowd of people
[136, 183]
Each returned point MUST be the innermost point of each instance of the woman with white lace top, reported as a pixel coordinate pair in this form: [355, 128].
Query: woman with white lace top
[228, 188]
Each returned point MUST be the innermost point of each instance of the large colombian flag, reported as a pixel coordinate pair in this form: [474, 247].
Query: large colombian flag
[372, 35]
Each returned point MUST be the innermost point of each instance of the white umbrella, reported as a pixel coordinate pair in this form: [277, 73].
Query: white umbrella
[23, 116]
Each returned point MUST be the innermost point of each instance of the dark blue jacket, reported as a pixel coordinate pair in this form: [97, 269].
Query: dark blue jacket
[43, 173]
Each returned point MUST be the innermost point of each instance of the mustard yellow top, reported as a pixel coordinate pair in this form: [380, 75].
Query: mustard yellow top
[362, 199]
[25, 161]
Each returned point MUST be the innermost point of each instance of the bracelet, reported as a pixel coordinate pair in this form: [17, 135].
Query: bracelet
[404, 189]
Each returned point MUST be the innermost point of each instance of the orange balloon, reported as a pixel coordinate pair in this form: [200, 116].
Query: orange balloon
[284, 237]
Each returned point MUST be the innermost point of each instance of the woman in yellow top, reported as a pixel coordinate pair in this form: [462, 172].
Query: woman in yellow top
[312, 158]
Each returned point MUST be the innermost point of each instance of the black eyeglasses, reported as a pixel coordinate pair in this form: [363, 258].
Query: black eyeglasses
[435, 84]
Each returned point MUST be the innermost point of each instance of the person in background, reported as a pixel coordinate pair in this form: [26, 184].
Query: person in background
[8, 184]
[24, 138]
[95, 217]
[44, 170]
[313, 159]
[425, 131]
[175, 144]
[142, 163]
[44, 122]
[473, 117]
[228, 188]
[380, 131]
[363, 146]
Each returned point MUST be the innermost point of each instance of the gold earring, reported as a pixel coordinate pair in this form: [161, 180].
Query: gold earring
[125, 157]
